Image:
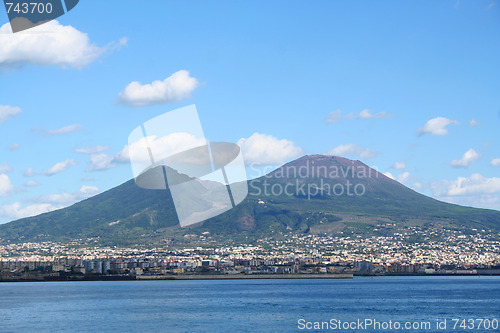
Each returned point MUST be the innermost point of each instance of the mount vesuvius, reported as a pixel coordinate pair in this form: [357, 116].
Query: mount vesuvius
[313, 194]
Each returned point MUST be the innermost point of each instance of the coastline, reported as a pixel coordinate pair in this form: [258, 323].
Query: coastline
[243, 276]
[69, 278]
[54, 278]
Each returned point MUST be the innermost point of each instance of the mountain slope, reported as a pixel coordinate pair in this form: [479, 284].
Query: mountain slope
[314, 193]
[381, 196]
[381, 199]
[118, 213]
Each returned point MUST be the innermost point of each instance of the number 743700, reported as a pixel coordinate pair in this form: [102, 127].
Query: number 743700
[470, 324]
[29, 7]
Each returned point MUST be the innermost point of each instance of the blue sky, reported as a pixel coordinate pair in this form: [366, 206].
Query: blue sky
[408, 87]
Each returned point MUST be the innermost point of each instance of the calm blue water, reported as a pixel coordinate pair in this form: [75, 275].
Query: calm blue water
[243, 305]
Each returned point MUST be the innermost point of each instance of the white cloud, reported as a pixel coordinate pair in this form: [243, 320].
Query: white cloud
[87, 179]
[14, 146]
[399, 165]
[366, 114]
[352, 149]
[495, 162]
[476, 184]
[60, 131]
[469, 157]
[174, 88]
[161, 147]
[5, 185]
[336, 116]
[29, 172]
[6, 111]
[51, 44]
[65, 130]
[47, 203]
[390, 175]
[66, 199]
[263, 149]
[15, 211]
[474, 191]
[101, 162]
[138, 152]
[437, 126]
[59, 167]
[32, 183]
[417, 186]
[5, 167]
[402, 178]
[91, 149]
[490, 201]
[474, 123]
[86, 191]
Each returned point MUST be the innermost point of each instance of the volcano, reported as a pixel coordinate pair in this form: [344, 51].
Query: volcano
[313, 194]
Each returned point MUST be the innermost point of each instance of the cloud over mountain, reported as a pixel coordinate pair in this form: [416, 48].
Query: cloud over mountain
[264, 149]
[353, 150]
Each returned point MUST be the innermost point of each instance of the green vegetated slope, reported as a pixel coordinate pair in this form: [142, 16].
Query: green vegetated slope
[304, 195]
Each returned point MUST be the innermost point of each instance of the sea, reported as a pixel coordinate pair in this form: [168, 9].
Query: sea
[363, 304]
